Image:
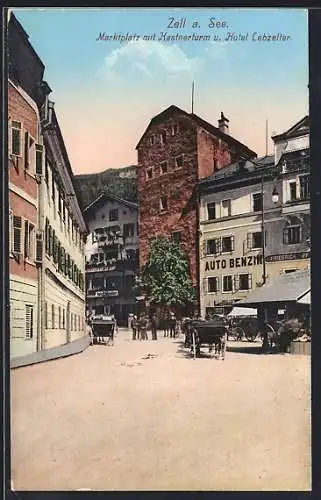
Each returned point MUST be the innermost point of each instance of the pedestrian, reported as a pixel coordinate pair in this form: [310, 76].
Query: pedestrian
[172, 325]
[143, 324]
[134, 326]
[165, 326]
[153, 323]
[89, 331]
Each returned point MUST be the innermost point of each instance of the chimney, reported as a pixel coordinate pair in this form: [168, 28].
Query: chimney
[223, 124]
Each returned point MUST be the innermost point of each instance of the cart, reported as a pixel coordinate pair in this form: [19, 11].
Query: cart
[211, 333]
[243, 327]
[103, 329]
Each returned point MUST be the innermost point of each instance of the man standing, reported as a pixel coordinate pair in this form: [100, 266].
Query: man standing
[172, 325]
[154, 322]
[143, 323]
[134, 326]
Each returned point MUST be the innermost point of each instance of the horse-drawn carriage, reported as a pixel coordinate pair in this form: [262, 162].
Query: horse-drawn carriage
[280, 334]
[103, 329]
[211, 333]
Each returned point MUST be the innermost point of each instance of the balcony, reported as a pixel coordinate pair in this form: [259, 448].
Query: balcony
[102, 292]
[105, 241]
[112, 265]
[296, 165]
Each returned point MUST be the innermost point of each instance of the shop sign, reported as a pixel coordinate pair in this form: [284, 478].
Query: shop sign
[288, 256]
[235, 262]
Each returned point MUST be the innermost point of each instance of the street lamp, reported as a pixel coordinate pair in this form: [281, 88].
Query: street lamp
[275, 199]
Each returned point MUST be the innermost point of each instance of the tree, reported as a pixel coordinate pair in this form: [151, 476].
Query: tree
[165, 277]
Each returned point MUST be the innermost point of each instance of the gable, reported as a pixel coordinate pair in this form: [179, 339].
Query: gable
[298, 129]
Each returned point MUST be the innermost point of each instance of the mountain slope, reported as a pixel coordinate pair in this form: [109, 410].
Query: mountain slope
[121, 182]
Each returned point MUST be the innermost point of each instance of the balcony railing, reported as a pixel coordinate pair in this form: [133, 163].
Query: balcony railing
[296, 165]
[107, 292]
[112, 265]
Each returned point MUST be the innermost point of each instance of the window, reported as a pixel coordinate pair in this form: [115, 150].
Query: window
[226, 208]
[292, 235]
[29, 322]
[257, 202]
[152, 140]
[29, 240]
[255, 240]
[39, 156]
[59, 317]
[174, 129]
[211, 215]
[290, 271]
[163, 137]
[17, 236]
[46, 315]
[212, 285]
[26, 151]
[245, 281]
[292, 186]
[129, 230]
[163, 203]
[227, 284]
[227, 244]
[52, 316]
[16, 138]
[214, 165]
[163, 167]
[46, 171]
[213, 246]
[304, 187]
[176, 236]
[149, 173]
[179, 160]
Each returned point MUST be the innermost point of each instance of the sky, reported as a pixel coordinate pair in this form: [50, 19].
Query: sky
[107, 91]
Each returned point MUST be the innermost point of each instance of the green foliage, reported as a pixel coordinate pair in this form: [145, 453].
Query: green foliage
[121, 182]
[165, 277]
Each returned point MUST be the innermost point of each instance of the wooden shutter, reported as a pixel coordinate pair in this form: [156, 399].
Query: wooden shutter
[39, 247]
[300, 234]
[236, 282]
[232, 243]
[218, 284]
[46, 315]
[286, 236]
[249, 241]
[26, 151]
[218, 246]
[250, 281]
[17, 235]
[205, 285]
[10, 232]
[29, 322]
[47, 236]
[39, 158]
[26, 239]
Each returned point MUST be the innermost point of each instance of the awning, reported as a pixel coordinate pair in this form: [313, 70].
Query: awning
[242, 311]
[288, 287]
[306, 299]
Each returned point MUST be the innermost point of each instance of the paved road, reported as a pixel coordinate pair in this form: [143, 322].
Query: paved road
[112, 418]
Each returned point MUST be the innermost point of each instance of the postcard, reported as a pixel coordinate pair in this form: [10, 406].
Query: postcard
[159, 249]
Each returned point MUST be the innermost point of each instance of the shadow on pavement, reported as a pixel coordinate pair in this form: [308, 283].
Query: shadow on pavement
[187, 353]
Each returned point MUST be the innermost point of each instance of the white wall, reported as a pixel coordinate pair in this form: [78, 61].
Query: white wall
[22, 292]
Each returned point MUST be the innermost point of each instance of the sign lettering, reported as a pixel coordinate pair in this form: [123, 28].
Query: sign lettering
[251, 260]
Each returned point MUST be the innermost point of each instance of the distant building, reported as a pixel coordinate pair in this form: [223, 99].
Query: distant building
[177, 150]
[46, 228]
[292, 156]
[111, 256]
